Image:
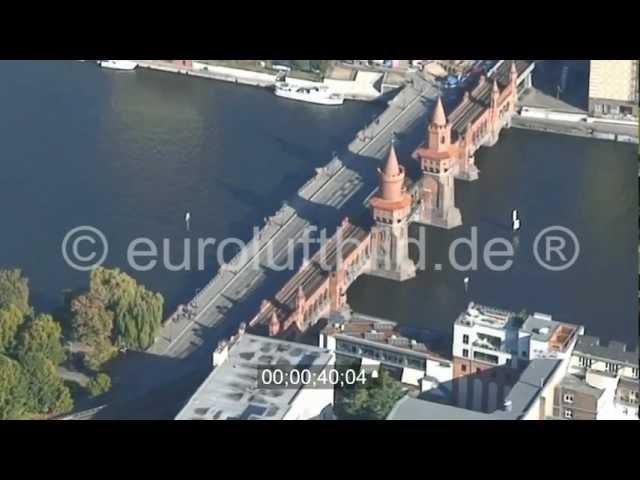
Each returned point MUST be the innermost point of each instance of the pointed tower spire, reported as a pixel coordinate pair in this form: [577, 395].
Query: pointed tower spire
[495, 90]
[439, 117]
[392, 167]
[274, 325]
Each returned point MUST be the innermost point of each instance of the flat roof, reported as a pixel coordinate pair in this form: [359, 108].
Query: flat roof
[521, 396]
[486, 316]
[231, 389]
[381, 332]
[615, 351]
[579, 385]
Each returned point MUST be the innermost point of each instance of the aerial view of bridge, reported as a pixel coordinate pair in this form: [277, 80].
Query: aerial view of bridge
[247, 294]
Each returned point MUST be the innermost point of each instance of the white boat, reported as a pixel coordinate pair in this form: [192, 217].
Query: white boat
[118, 64]
[320, 94]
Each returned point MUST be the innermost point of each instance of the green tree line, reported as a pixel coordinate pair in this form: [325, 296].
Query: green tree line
[115, 312]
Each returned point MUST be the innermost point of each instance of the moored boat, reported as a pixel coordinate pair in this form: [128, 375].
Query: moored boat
[118, 64]
[319, 94]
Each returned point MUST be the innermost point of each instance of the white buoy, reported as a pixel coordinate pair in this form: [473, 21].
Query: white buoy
[515, 221]
[187, 219]
[466, 284]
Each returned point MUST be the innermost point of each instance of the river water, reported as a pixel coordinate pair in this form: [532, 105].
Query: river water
[131, 153]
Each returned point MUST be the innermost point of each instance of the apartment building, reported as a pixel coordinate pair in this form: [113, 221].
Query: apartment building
[613, 88]
[495, 340]
[375, 341]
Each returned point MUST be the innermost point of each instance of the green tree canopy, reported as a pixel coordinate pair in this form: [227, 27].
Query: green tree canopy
[91, 320]
[374, 399]
[47, 393]
[11, 318]
[100, 352]
[43, 336]
[14, 290]
[99, 384]
[137, 311]
[13, 389]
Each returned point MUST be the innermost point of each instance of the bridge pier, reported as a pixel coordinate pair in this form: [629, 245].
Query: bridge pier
[467, 169]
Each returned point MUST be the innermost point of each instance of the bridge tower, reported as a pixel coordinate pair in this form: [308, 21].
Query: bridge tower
[391, 207]
[439, 167]
[494, 115]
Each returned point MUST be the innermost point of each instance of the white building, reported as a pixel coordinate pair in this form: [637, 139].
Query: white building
[612, 371]
[232, 390]
[375, 341]
[487, 337]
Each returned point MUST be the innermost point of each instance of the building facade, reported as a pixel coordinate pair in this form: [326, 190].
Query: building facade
[613, 88]
[614, 370]
[374, 342]
[492, 347]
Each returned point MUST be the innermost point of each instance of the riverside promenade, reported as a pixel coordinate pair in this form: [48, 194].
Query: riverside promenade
[359, 89]
[556, 109]
[338, 188]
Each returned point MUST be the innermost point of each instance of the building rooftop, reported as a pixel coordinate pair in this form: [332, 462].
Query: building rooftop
[380, 331]
[409, 408]
[519, 399]
[486, 316]
[231, 389]
[615, 351]
[580, 385]
[543, 328]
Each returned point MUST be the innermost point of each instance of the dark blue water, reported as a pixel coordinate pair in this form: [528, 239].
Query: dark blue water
[131, 152]
[588, 186]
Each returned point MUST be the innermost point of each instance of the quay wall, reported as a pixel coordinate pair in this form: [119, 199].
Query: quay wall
[578, 129]
[351, 89]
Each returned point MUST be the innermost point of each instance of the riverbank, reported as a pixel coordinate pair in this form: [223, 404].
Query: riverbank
[598, 130]
[544, 113]
[362, 88]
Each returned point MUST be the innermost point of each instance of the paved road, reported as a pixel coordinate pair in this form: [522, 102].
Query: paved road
[181, 356]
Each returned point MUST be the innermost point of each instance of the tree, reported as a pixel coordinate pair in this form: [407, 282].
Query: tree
[14, 290]
[47, 393]
[43, 336]
[374, 398]
[137, 311]
[100, 352]
[11, 318]
[92, 324]
[99, 384]
[13, 389]
[91, 320]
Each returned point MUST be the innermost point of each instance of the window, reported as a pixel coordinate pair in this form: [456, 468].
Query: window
[612, 368]
[465, 339]
[634, 373]
[585, 362]
[568, 413]
[478, 370]
[568, 398]
[463, 368]
[465, 352]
